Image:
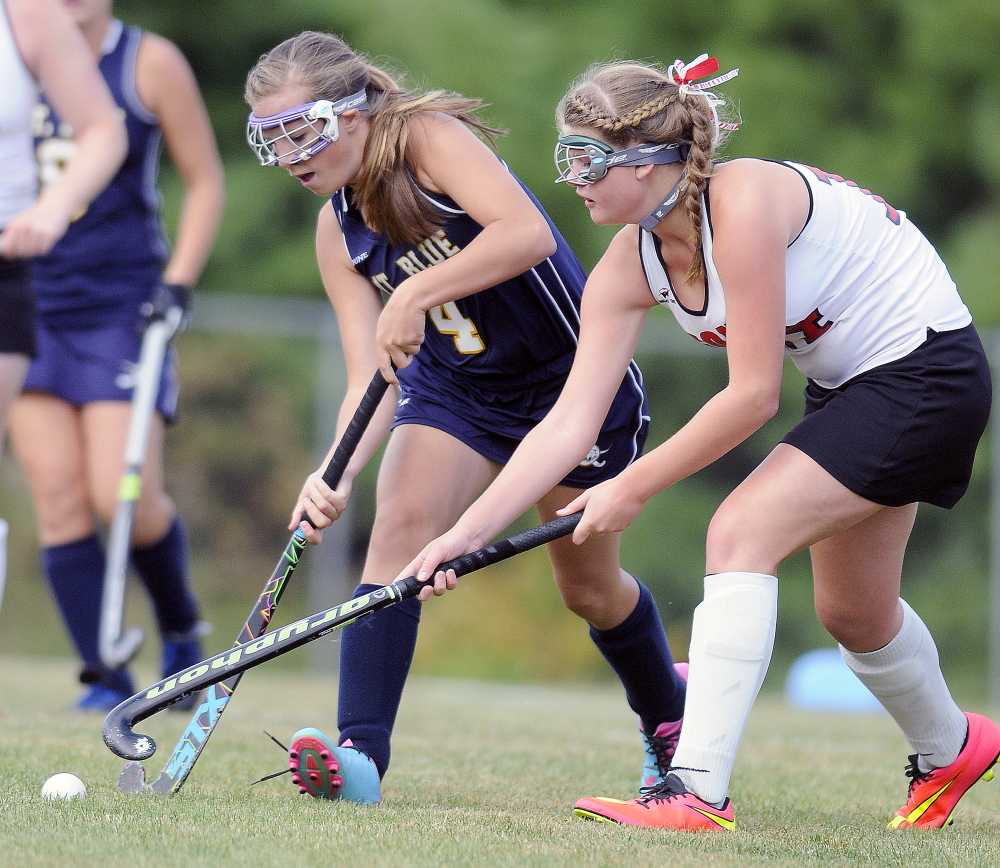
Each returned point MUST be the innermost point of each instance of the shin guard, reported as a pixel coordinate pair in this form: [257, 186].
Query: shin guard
[731, 640]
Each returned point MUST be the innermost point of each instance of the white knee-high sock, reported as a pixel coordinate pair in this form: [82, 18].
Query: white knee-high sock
[731, 641]
[906, 678]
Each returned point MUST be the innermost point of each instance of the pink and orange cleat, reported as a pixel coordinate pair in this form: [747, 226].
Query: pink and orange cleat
[667, 806]
[933, 795]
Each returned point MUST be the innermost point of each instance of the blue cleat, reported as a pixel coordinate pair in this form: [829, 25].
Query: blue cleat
[108, 689]
[661, 745]
[100, 697]
[326, 771]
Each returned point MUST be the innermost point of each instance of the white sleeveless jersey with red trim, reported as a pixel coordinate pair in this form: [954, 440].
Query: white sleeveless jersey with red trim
[863, 284]
[18, 174]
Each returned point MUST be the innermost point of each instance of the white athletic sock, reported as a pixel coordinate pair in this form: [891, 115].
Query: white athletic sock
[731, 640]
[906, 678]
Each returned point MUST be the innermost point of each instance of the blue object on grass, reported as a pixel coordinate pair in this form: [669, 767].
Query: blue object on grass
[820, 680]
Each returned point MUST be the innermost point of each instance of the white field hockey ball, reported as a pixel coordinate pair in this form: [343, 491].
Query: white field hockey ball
[64, 786]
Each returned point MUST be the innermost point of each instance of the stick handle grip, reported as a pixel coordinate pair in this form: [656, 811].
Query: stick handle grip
[513, 545]
[353, 433]
[355, 430]
[493, 553]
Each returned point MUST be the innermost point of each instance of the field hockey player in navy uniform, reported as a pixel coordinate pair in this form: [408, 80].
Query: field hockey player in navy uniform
[759, 258]
[481, 321]
[69, 427]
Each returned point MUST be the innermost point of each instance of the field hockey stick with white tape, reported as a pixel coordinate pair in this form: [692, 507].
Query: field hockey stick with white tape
[122, 740]
[192, 741]
[165, 322]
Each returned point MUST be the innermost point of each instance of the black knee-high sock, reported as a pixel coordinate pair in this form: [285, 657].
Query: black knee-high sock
[375, 657]
[163, 570]
[638, 651]
[75, 571]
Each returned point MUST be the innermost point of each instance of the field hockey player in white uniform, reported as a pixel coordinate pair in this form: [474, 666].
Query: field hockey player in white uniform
[759, 258]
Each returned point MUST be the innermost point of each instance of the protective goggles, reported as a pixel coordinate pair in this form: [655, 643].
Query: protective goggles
[303, 130]
[583, 160]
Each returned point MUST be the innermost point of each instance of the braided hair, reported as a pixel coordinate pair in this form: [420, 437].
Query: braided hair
[630, 103]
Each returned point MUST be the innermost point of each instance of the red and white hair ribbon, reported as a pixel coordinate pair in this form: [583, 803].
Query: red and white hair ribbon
[686, 74]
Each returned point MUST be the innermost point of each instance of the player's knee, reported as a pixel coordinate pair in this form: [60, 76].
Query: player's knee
[727, 540]
[62, 507]
[411, 524]
[584, 605]
[857, 631]
[404, 529]
[847, 627]
[585, 596]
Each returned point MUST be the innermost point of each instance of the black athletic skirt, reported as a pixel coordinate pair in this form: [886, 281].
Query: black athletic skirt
[17, 308]
[905, 431]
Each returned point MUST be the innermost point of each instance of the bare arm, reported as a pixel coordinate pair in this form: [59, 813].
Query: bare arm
[357, 305]
[57, 55]
[753, 225]
[515, 237]
[755, 215]
[167, 87]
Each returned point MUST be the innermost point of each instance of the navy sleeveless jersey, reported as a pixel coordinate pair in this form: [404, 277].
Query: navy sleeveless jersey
[112, 257]
[520, 332]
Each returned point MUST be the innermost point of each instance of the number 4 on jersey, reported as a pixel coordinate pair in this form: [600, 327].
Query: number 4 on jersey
[449, 321]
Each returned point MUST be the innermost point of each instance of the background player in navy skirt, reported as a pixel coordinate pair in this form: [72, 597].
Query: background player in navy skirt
[69, 427]
[481, 319]
[39, 45]
[762, 257]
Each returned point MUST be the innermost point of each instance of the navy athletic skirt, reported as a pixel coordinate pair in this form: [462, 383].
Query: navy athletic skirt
[17, 308]
[83, 365]
[905, 431]
[493, 421]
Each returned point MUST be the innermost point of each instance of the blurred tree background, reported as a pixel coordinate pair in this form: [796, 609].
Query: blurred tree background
[902, 96]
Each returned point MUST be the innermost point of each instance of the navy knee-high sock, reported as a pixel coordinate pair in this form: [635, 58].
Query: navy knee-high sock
[75, 571]
[375, 657]
[163, 570]
[638, 651]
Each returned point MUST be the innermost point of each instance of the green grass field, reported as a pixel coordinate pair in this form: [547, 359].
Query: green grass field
[483, 775]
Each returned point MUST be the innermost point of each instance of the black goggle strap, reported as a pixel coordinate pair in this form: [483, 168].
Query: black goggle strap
[648, 155]
[665, 207]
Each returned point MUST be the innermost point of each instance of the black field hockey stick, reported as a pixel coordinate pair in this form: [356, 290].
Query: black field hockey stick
[192, 741]
[115, 647]
[122, 740]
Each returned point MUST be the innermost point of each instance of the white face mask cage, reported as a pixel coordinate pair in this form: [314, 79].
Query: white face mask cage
[582, 160]
[301, 132]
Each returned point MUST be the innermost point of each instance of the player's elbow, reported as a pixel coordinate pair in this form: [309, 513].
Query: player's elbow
[538, 241]
[546, 243]
[112, 128]
[573, 429]
[754, 402]
[762, 406]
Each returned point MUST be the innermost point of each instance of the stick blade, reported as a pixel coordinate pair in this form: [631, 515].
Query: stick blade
[119, 652]
[132, 780]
